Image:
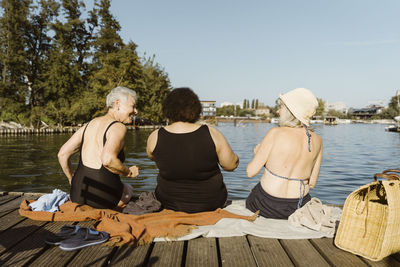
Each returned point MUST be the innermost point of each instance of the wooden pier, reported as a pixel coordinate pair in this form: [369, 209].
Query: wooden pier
[28, 131]
[22, 244]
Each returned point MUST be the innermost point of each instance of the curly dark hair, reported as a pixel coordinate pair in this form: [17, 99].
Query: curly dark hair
[182, 104]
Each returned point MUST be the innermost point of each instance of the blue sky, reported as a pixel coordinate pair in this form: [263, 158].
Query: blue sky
[342, 50]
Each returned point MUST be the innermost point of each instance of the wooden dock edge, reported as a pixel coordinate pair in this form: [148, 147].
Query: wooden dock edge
[22, 244]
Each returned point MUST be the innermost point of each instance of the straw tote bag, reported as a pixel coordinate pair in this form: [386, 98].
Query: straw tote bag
[370, 223]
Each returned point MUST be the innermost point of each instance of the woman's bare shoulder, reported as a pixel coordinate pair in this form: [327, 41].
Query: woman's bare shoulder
[153, 134]
[215, 133]
[316, 136]
[275, 131]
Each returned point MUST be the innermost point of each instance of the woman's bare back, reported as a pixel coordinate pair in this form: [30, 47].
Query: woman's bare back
[285, 152]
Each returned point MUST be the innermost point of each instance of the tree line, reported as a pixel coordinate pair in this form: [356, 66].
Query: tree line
[391, 111]
[59, 61]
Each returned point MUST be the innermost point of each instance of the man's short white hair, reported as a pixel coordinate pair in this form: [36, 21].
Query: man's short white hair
[120, 93]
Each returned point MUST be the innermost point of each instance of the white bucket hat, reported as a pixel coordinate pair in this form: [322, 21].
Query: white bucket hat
[302, 103]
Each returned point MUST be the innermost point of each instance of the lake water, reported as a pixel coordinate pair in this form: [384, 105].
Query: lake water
[352, 154]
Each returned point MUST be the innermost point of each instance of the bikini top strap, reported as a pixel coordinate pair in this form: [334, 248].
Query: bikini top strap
[309, 137]
[302, 185]
[105, 133]
[283, 177]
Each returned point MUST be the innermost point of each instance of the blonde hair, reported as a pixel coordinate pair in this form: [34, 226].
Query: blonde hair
[286, 118]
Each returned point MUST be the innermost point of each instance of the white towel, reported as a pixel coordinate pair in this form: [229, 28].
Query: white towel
[262, 227]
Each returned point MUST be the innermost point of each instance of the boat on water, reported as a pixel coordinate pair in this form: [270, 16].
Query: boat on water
[274, 120]
[395, 127]
[331, 120]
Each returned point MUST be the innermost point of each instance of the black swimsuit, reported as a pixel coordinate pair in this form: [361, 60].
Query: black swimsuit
[98, 188]
[189, 179]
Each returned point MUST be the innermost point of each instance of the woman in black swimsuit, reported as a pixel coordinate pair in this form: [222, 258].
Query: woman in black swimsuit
[189, 156]
[100, 142]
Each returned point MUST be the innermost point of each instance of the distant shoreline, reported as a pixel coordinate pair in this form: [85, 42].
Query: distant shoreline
[275, 120]
[7, 129]
[12, 128]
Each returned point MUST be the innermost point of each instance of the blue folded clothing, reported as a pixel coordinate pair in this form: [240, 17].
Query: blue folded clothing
[50, 202]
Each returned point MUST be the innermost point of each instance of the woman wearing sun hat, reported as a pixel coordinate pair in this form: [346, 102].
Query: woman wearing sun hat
[290, 155]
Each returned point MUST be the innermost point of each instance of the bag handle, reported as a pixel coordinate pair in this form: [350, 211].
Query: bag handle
[388, 175]
[391, 170]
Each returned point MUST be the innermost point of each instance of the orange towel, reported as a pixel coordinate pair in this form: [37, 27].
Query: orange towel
[133, 229]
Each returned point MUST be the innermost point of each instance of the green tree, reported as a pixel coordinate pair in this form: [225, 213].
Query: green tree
[39, 44]
[336, 113]
[156, 88]
[395, 103]
[13, 85]
[246, 112]
[321, 107]
[226, 111]
[64, 81]
[393, 108]
[57, 67]
[110, 64]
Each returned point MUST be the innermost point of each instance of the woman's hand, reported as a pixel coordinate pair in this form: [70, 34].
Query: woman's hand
[133, 172]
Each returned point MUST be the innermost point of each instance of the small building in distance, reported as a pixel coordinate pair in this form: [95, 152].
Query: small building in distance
[262, 111]
[367, 112]
[209, 109]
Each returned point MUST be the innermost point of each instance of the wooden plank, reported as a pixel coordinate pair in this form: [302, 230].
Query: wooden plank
[17, 233]
[334, 255]
[302, 253]
[268, 252]
[29, 248]
[10, 206]
[128, 255]
[53, 255]
[202, 252]
[9, 220]
[91, 256]
[388, 261]
[396, 256]
[166, 254]
[6, 198]
[15, 193]
[235, 251]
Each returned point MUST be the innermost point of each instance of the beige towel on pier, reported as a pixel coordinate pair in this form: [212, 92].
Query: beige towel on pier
[262, 227]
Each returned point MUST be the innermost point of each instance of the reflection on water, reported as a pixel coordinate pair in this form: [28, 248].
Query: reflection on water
[352, 154]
